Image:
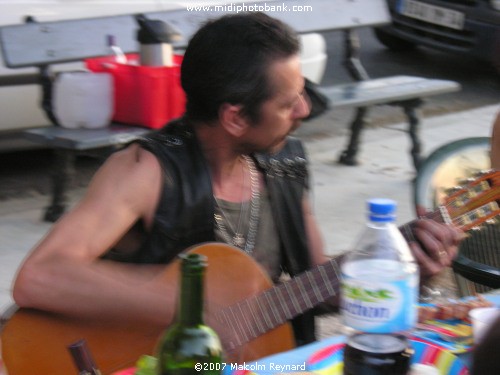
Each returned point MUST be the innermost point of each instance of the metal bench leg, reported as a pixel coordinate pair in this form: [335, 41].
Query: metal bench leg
[61, 176]
[411, 109]
[348, 156]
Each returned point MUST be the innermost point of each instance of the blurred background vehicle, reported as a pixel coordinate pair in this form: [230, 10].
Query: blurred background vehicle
[469, 27]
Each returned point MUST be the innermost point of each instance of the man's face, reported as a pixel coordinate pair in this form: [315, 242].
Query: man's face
[282, 113]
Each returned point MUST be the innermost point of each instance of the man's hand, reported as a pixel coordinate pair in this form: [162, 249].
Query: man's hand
[436, 244]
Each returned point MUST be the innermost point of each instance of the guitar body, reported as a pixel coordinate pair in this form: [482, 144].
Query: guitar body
[35, 342]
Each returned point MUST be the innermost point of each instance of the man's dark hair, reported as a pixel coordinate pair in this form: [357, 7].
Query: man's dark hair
[227, 61]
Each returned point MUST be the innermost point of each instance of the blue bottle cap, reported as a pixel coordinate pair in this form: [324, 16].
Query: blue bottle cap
[382, 209]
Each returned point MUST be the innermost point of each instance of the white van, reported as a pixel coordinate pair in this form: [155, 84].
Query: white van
[20, 104]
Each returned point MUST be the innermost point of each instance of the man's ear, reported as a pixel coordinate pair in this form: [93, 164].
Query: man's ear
[233, 120]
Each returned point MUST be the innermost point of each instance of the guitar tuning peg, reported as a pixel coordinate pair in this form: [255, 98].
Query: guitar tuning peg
[481, 173]
[475, 229]
[466, 181]
[451, 190]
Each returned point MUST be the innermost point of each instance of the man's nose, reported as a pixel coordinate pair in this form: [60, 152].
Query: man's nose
[303, 107]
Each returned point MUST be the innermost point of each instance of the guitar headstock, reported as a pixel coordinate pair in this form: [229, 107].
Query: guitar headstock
[475, 202]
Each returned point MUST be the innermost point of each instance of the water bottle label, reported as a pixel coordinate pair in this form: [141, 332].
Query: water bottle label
[379, 307]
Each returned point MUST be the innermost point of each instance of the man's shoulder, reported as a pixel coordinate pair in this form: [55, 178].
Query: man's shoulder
[133, 160]
[290, 161]
[294, 146]
[173, 139]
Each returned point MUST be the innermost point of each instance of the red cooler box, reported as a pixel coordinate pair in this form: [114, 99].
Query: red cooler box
[148, 96]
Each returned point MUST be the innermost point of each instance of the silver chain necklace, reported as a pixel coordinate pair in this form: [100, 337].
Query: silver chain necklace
[238, 239]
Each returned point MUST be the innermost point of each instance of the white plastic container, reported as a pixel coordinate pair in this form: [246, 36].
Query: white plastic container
[482, 318]
[313, 56]
[83, 99]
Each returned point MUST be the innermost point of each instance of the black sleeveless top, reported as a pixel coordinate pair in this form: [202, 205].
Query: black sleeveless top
[185, 213]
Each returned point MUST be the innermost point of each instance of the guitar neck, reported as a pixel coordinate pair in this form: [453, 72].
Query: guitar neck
[468, 206]
[261, 313]
[440, 215]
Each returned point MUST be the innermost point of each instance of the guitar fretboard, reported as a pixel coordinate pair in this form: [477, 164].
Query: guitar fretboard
[440, 215]
[259, 314]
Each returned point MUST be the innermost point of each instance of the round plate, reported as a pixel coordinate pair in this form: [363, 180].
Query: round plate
[328, 361]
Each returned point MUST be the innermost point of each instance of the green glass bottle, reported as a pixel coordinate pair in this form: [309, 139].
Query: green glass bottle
[189, 346]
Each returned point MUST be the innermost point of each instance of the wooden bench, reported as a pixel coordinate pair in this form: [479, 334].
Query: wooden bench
[67, 143]
[407, 92]
[45, 44]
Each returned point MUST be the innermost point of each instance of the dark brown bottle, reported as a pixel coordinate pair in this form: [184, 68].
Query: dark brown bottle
[82, 358]
[377, 354]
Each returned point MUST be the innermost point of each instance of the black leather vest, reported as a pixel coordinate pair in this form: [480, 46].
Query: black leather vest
[184, 216]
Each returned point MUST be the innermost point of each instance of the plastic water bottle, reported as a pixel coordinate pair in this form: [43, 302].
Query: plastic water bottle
[380, 281]
[115, 50]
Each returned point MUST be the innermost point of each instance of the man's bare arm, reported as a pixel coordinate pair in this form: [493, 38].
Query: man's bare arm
[317, 250]
[314, 236]
[64, 272]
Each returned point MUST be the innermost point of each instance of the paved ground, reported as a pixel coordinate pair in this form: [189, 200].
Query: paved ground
[339, 191]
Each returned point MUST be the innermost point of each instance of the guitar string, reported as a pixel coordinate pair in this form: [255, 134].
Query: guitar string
[242, 313]
[264, 296]
[246, 331]
[302, 306]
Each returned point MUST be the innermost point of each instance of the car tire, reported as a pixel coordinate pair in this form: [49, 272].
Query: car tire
[393, 42]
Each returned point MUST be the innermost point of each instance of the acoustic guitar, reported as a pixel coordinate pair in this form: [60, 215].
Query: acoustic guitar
[242, 299]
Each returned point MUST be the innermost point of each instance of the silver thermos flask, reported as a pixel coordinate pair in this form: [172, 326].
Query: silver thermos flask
[155, 38]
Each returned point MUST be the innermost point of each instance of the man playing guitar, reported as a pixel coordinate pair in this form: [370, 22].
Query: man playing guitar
[228, 171]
